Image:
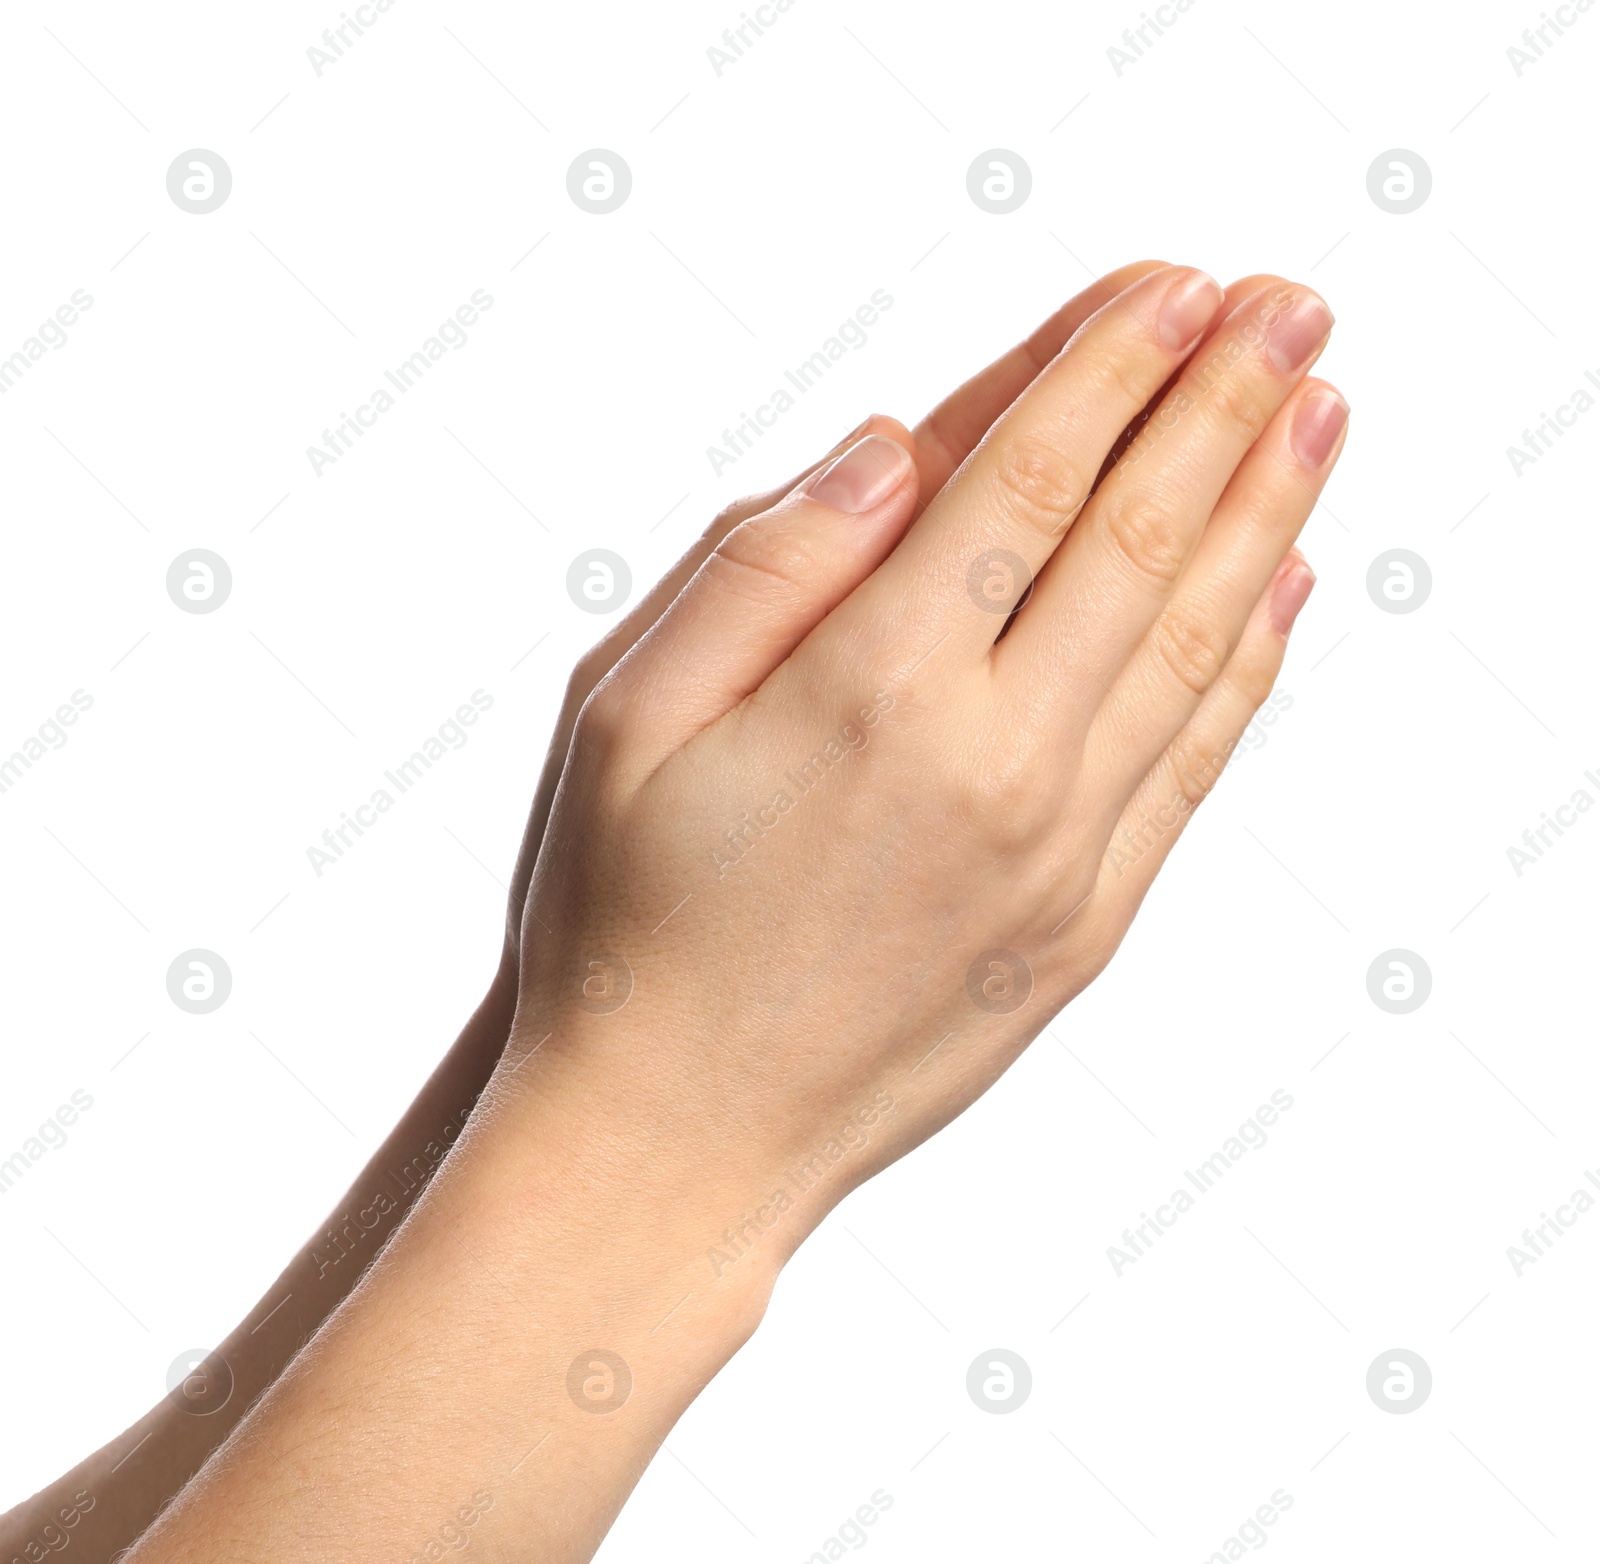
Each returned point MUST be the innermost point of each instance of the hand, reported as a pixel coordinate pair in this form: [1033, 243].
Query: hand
[831, 842]
[170, 1446]
[825, 841]
[939, 444]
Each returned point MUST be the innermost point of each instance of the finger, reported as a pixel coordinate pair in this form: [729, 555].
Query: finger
[1002, 516]
[601, 658]
[609, 651]
[1258, 518]
[947, 436]
[756, 597]
[1105, 587]
[1165, 801]
[1232, 297]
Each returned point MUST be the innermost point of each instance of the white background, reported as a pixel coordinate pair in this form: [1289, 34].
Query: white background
[369, 602]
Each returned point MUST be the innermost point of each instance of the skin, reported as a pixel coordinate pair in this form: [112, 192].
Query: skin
[133, 1477]
[1013, 793]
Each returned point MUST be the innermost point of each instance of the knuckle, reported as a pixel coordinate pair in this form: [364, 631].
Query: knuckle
[760, 559]
[1038, 483]
[1239, 407]
[993, 800]
[1139, 528]
[734, 513]
[1196, 768]
[1252, 672]
[1128, 381]
[603, 719]
[1192, 651]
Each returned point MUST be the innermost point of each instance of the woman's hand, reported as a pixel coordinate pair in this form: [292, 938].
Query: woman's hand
[825, 840]
[874, 796]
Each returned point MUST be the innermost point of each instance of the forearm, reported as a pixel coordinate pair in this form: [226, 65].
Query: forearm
[506, 1371]
[136, 1474]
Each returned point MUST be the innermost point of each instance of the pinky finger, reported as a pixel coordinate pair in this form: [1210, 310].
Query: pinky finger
[1165, 802]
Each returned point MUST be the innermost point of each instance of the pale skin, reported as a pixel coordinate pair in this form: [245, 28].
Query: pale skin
[799, 950]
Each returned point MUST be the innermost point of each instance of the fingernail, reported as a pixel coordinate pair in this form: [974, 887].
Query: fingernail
[1290, 590]
[1293, 335]
[1187, 310]
[866, 475]
[1317, 422]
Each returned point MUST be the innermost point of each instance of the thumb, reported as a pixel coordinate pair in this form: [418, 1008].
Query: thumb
[757, 596]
